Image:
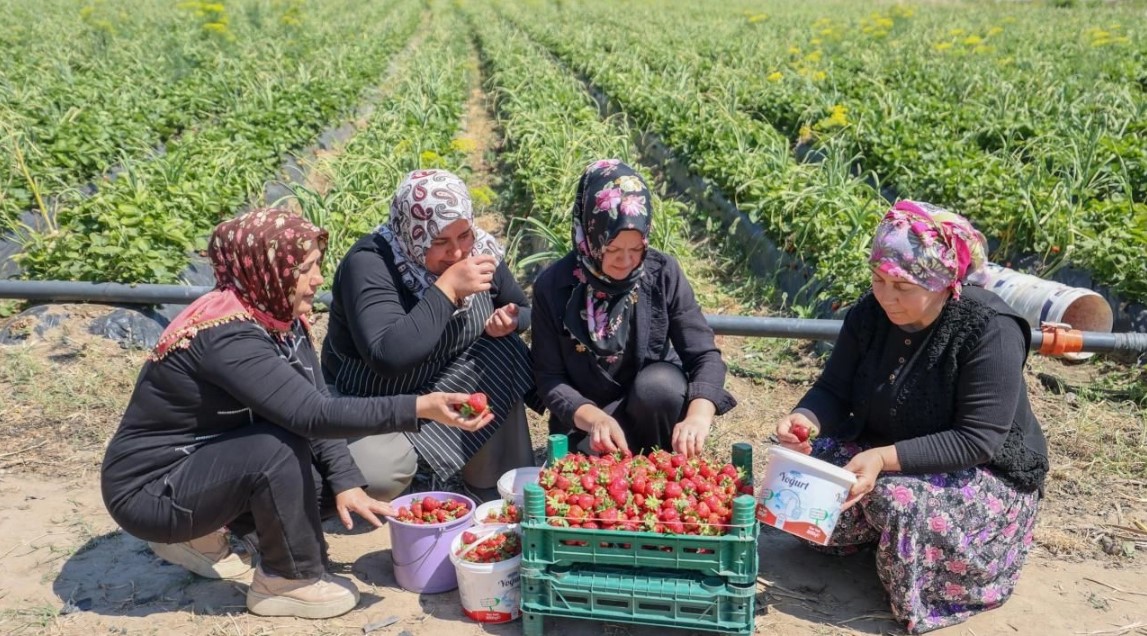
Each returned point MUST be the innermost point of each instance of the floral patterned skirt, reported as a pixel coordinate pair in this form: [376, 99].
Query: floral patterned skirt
[947, 545]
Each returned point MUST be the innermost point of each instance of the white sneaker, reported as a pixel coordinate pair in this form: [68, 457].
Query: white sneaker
[324, 597]
[209, 556]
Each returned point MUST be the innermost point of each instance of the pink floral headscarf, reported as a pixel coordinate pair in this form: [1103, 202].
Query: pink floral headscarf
[929, 246]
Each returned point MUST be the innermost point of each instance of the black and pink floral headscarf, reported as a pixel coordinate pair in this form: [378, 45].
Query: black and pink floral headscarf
[611, 197]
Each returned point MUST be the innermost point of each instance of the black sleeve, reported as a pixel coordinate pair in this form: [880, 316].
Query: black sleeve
[246, 364]
[692, 338]
[988, 392]
[390, 340]
[829, 400]
[505, 290]
[556, 391]
[336, 465]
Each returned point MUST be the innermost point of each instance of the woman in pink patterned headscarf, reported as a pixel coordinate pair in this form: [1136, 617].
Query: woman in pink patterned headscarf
[924, 400]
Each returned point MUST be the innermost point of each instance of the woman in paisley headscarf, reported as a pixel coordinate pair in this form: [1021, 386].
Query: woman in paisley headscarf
[621, 351]
[426, 303]
[230, 431]
[923, 398]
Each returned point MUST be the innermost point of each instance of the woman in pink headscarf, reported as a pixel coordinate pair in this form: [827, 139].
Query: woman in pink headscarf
[923, 398]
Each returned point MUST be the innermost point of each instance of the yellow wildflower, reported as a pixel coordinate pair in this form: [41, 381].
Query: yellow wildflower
[775, 76]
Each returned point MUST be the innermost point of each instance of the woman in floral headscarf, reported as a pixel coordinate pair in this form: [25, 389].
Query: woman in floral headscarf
[621, 351]
[426, 303]
[230, 431]
[923, 398]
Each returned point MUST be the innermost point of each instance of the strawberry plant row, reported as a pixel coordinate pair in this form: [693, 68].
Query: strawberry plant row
[415, 124]
[1036, 135]
[141, 226]
[121, 81]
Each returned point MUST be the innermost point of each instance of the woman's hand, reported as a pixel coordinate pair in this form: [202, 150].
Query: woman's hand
[867, 466]
[605, 434]
[503, 322]
[446, 407]
[690, 433]
[788, 440]
[468, 276]
[357, 501]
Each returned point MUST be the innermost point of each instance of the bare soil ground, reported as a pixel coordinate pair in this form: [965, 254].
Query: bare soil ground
[67, 569]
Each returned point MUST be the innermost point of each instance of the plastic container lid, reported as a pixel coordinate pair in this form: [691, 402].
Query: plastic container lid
[814, 465]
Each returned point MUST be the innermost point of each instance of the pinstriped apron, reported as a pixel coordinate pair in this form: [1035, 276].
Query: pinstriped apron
[465, 360]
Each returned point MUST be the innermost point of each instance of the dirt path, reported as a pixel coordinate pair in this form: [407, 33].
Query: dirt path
[59, 547]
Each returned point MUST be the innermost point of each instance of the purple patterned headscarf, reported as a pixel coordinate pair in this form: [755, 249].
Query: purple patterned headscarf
[929, 246]
[611, 197]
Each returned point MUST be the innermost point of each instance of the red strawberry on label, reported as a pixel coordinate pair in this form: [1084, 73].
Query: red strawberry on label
[474, 406]
[802, 432]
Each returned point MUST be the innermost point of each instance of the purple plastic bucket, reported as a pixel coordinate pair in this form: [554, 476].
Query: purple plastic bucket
[421, 553]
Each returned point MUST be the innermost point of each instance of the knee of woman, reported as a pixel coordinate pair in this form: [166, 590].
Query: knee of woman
[387, 481]
[275, 443]
[661, 385]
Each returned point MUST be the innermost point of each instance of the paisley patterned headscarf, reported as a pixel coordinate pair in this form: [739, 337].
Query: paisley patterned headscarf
[929, 246]
[611, 197]
[425, 203]
[256, 259]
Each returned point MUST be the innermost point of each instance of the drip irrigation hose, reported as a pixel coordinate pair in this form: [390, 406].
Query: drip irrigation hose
[1051, 339]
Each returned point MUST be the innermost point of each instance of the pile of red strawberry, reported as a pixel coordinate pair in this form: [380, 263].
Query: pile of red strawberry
[660, 492]
[508, 513]
[492, 549]
[428, 510]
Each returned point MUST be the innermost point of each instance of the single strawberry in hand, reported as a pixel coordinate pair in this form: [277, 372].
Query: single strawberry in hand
[474, 406]
[803, 433]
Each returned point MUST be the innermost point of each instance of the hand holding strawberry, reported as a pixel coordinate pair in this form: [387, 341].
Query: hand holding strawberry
[474, 406]
[803, 433]
[796, 432]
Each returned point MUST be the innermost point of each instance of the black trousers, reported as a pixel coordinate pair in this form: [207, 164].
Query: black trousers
[648, 411]
[261, 479]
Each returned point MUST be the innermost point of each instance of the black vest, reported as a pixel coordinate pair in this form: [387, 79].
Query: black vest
[926, 397]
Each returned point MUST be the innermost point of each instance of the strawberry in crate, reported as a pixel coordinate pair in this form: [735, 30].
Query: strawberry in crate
[661, 492]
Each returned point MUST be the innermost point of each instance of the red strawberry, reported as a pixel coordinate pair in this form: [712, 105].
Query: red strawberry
[476, 405]
[469, 537]
[802, 432]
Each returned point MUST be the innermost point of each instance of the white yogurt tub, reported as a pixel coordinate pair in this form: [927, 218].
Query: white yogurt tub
[802, 495]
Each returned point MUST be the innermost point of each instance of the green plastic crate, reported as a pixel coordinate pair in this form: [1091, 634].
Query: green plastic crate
[732, 556]
[663, 599]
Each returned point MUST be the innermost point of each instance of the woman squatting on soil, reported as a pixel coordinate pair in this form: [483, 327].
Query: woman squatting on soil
[923, 398]
[230, 429]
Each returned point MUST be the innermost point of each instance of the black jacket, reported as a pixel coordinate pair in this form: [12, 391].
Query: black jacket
[668, 326]
[232, 375]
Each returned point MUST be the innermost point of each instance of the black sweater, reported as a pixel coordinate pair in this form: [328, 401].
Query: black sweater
[668, 325]
[376, 318]
[949, 397]
[230, 376]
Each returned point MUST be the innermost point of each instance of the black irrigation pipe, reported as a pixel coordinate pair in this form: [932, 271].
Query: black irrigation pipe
[750, 326]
